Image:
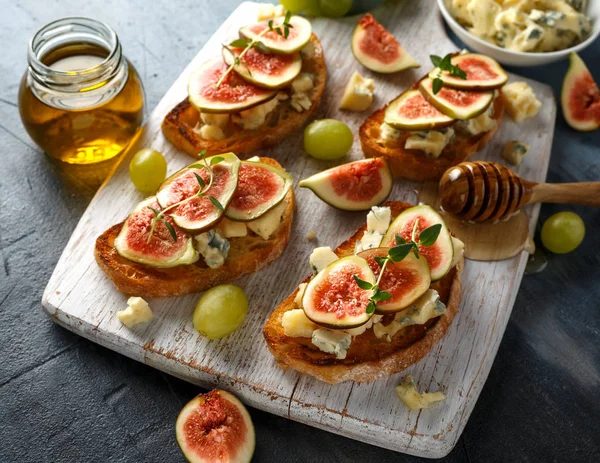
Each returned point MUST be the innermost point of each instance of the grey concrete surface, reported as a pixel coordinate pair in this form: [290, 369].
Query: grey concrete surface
[64, 399]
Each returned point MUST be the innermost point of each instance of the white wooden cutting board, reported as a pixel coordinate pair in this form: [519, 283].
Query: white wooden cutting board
[81, 298]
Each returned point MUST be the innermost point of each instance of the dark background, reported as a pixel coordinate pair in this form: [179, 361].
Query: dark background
[64, 398]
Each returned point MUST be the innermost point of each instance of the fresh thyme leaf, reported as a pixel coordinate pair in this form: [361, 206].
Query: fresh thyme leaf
[370, 307]
[362, 284]
[237, 61]
[261, 47]
[216, 202]
[200, 181]
[380, 260]
[278, 30]
[247, 69]
[240, 43]
[446, 62]
[437, 85]
[171, 230]
[436, 60]
[286, 32]
[383, 296]
[216, 159]
[197, 166]
[428, 236]
[156, 212]
[270, 24]
[288, 16]
[416, 250]
[399, 239]
[398, 253]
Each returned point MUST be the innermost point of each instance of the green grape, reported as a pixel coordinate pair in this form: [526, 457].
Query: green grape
[312, 8]
[220, 311]
[148, 170]
[335, 8]
[563, 232]
[295, 6]
[327, 139]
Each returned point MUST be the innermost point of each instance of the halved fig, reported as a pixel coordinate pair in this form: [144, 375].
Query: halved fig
[483, 73]
[580, 97]
[459, 104]
[411, 111]
[162, 250]
[406, 280]
[260, 188]
[215, 427]
[439, 255]
[267, 70]
[299, 34]
[233, 95]
[356, 186]
[200, 213]
[376, 49]
[334, 300]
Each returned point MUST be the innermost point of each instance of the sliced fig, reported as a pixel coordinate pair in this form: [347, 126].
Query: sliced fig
[459, 104]
[356, 186]
[298, 36]
[376, 49]
[200, 213]
[162, 250]
[233, 95]
[215, 427]
[405, 281]
[411, 111]
[267, 70]
[483, 73]
[260, 188]
[580, 96]
[439, 255]
[334, 300]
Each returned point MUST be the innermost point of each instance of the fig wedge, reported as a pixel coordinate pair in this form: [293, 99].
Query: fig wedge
[376, 49]
[439, 256]
[298, 36]
[200, 213]
[411, 111]
[580, 97]
[266, 70]
[334, 300]
[356, 186]
[459, 104]
[162, 250]
[233, 95]
[260, 188]
[483, 73]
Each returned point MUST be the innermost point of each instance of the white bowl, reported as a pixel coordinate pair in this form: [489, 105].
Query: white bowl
[520, 58]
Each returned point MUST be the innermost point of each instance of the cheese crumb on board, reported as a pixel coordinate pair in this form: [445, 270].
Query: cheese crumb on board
[137, 311]
[358, 94]
[408, 394]
[514, 151]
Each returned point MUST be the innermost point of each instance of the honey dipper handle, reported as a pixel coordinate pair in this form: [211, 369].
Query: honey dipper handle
[586, 193]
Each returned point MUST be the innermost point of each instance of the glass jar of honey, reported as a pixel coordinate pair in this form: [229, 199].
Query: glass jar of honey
[80, 100]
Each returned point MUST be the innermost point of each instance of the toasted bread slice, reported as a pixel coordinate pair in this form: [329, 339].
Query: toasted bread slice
[246, 255]
[368, 357]
[416, 164]
[178, 125]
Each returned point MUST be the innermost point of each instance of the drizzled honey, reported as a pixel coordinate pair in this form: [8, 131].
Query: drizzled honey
[81, 102]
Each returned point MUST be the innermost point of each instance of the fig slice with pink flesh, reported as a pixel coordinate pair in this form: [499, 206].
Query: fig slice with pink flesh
[411, 111]
[267, 70]
[483, 73]
[459, 104]
[233, 95]
[298, 36]
[439, 256]
[376, 49]
[260, 188]
[356, 186]
[162, 250]
[200, 213]
[580, 96]
[215, 427]
[334, 300]
[405, 281]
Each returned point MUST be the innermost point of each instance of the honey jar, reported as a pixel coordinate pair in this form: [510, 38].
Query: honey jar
[80, 100]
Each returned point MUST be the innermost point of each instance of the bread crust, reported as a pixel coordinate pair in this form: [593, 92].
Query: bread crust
[178, 125]
[247, 255]
[368, 357]
[416, 164]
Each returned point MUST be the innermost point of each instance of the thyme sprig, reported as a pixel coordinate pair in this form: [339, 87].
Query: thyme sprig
[282, 29]
[445, 64]
[396, 254]
[161, 216]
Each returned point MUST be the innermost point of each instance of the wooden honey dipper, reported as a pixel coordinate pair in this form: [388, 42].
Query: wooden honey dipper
[485, 191]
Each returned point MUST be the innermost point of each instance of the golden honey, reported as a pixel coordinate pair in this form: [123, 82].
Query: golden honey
[80, 100]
